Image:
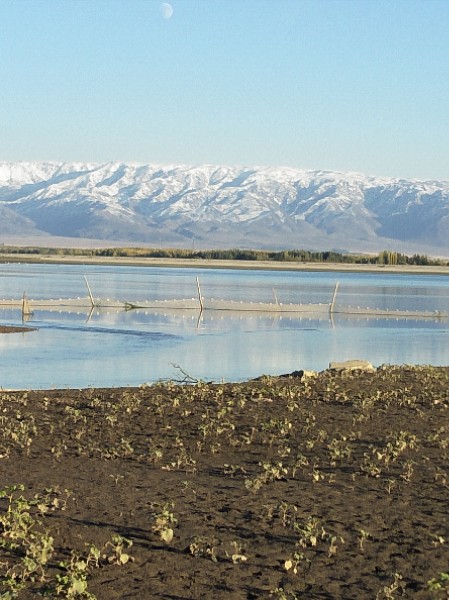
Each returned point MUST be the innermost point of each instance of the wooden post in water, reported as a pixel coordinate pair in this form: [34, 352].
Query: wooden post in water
[200, 298]
[26, 310]
[334, 297]
[90, 293]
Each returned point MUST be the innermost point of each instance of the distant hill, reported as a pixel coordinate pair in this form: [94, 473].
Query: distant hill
[215, 206]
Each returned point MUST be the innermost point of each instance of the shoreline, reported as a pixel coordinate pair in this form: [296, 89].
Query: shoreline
[16, 329]
[344, 373]
[197, 263]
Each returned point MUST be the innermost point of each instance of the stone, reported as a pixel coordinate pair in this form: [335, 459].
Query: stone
[352, 365]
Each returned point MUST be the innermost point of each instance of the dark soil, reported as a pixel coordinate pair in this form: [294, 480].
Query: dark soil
[334, 487]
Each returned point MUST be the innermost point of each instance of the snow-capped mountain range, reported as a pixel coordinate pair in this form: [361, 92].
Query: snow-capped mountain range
[221, 207]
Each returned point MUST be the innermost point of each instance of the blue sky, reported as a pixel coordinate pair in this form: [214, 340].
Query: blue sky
[348, 85]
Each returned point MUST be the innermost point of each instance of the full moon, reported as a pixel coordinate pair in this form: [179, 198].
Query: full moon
[166, 10]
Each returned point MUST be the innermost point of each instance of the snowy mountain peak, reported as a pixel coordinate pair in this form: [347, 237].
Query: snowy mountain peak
[221, 206]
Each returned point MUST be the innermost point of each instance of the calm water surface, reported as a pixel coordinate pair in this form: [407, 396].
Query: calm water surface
[115, 347]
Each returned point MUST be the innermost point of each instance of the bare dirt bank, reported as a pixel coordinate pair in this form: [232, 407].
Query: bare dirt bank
[329, 487]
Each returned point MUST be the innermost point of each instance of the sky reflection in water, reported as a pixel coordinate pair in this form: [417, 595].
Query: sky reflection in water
[114, 347]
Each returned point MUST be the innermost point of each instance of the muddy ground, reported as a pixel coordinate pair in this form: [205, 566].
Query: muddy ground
[334, 487]
[15, 329]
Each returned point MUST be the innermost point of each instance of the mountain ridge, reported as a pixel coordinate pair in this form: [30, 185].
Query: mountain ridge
[219, 206]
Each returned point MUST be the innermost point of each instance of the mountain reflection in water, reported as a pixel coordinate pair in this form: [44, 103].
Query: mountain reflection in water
[109, 347]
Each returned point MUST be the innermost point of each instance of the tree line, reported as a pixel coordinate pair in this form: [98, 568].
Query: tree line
[385, 257]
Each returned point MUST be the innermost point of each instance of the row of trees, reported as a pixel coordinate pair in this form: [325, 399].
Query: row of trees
[386, 257]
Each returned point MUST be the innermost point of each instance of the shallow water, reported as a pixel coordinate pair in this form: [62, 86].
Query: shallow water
[115, 347]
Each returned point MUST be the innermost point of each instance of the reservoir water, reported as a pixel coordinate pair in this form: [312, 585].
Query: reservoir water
[112, 347]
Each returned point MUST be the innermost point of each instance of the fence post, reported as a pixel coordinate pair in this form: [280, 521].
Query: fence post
[199, 293]
[334, 297]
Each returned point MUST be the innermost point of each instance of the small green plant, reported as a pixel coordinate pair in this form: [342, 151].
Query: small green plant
[11, 586]
[18, 430]
[295, 561]
[334, 540]
[163, 520]
[118, 550]
[311, 537]
[282, 594]
[29, 548]
[276, 428]
[310, 532]
[407, 473]
[237, 553]
[183, 461]
[370, 467]
[317, 475]
[339, 449]
[233, 470]
[301, 461]
[288, 514]
[388, 592]
[439, 584]
[390, 485]
[438, 540]
[363, 536]
[204, 547]
[187, 487]
[116, 478]
[73, 582]
[270, 472]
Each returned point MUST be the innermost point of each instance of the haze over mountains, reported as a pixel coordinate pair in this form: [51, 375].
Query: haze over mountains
[220, 207]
